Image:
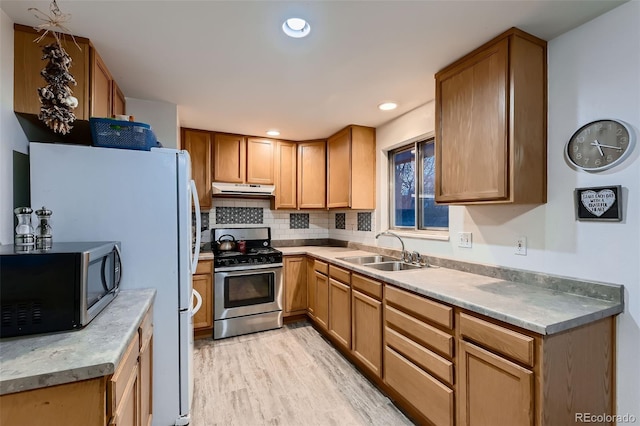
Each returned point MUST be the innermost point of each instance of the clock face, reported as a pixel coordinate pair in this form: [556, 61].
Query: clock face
[600, 145]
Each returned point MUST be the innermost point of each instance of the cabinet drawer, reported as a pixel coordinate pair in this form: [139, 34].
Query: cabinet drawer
[321, 266]
[420, 306]
[366, 286]
[204, 267]
[420, 355]
[339, 274]
[507, 342]
[146, 328]
[127, 367]
[430, 397]
[420, 331]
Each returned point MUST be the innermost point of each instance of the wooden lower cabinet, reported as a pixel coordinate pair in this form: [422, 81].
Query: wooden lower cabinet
[79, 403]
[121, 399]
[145, 370]
[432, 399]
[311, 288]
[340, 312]
[321, 309]
[444, 365]
[492, 390]
[295, 285]
[366, 330]
[203, 284]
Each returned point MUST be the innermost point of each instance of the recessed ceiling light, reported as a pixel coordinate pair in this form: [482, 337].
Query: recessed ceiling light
[387, 106]
[273, 133]
[296, 27]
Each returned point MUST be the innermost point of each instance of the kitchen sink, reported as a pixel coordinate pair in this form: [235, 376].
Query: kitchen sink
[361, 260]
[392, 266]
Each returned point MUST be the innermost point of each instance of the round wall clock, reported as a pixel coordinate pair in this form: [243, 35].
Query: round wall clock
[600, 145]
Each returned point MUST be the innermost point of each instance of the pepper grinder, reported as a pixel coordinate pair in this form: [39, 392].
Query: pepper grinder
[24, 239]
[44, 237]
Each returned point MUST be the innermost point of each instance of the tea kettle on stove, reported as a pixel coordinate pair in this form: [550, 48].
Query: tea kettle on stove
[226, 244]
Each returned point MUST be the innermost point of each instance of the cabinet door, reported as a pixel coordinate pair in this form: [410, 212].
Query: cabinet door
[312, 183]
[339, 169]
[101, 101]
[229, 158]
[260, 161]
[295, 285]
[492, 390]
[146, 383]
[321, 310]
[366, 318]
[203, 319]
[340, 312]
[286, 175]
[119, 102]
[311, 288]
[28, 63]
[198, 143]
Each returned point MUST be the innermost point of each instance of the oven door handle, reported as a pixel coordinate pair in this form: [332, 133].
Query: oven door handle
[196, 308]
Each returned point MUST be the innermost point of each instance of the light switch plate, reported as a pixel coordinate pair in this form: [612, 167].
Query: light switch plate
[521, 246]
[464, 239]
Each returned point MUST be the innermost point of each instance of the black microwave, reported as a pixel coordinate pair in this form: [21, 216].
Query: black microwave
[58, 289]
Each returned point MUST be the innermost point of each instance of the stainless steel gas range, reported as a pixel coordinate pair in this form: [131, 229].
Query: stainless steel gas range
[248, 289]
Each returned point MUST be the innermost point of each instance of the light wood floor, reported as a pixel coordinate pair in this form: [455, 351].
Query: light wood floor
[290, 376]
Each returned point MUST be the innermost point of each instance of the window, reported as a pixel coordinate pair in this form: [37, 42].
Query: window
[406, 177]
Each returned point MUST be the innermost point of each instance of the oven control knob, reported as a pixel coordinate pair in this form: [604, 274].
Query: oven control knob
[271, 259]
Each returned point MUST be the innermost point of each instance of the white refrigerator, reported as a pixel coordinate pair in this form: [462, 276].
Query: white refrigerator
[143, 199]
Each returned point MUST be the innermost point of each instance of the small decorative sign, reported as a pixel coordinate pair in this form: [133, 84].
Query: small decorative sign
[599, 203]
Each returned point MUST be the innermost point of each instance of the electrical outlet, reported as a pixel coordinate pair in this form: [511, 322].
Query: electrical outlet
[521, 246]
[464, 239]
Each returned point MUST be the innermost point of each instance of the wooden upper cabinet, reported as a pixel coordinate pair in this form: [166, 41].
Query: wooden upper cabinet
[198, 144]
[260, 161]
[97, 93]
[351, 168]
[286, 175]
[491, 108]
[101, 87]
[119, 103]
[229, 158]
[28, 63]
[312, 193]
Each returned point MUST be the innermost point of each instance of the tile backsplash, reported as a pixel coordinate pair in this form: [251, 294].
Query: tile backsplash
[294, 224]
[239, 215]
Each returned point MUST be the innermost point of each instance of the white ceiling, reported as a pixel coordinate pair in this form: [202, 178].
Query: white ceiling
[229, 67]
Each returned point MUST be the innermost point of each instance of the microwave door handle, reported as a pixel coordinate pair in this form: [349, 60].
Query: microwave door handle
[198, 297]
[103, 277]
[119, 256]
[196, 255]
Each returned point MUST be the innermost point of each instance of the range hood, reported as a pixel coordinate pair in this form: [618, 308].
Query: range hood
[242, 189]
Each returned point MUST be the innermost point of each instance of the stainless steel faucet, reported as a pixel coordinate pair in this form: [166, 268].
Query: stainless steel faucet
[404, 252]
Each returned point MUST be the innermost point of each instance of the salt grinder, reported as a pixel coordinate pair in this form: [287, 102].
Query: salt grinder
[44, 237]
[24, 239]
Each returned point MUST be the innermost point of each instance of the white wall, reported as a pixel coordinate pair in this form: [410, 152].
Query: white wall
[12, 137]
[594, 72]
[161, 116]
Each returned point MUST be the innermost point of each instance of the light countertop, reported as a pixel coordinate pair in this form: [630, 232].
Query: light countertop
[31, 362]
[527, 305]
